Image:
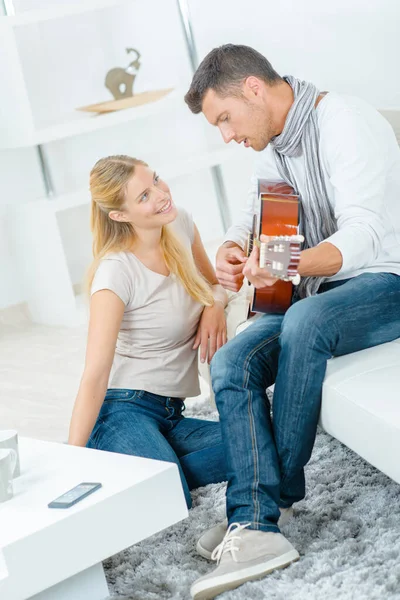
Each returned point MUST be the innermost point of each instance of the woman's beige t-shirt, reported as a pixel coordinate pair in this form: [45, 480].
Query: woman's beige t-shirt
[154, 346]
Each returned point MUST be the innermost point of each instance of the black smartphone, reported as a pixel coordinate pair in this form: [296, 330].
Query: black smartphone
[73, 496]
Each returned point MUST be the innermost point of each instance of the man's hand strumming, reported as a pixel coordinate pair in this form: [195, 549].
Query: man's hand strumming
[230, 261]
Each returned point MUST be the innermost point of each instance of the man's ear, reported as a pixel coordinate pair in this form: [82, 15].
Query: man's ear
[252, 85]
[116, 215]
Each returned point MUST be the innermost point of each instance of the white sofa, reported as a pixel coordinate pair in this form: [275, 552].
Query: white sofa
[361, 405]
[360, 396]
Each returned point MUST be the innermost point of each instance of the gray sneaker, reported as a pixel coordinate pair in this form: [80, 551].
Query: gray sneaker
[214, 536]
[243, 555]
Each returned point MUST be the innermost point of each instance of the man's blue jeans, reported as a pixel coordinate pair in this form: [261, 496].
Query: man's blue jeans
[266, 457]
[152, 426]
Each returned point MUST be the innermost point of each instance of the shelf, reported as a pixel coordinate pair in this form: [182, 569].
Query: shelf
[80, 123]
[179, 168]
[60, 12]
[70, 200]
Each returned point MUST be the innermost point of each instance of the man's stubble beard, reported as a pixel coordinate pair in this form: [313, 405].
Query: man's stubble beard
[265, 128]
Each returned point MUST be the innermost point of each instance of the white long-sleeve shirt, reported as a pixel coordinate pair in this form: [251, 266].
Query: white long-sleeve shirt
[360, 160]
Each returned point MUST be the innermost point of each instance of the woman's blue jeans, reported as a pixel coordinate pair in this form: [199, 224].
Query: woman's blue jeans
[152, 426]
[266, 456]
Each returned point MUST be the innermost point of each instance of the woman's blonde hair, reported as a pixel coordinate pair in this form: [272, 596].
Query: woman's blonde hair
[108, 180]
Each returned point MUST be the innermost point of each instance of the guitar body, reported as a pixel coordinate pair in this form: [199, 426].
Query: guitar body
[279, 215]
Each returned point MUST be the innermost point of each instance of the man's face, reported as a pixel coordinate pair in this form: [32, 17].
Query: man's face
[244, 119]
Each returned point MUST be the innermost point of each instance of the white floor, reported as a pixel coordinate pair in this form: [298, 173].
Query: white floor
[40, 369]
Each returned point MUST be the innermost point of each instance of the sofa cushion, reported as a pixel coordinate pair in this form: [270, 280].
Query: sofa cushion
[361, 404]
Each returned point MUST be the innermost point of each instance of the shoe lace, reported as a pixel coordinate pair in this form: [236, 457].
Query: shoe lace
[228, 543]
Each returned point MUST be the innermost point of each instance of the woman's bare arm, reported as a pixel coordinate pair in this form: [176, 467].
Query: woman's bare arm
[106, 312]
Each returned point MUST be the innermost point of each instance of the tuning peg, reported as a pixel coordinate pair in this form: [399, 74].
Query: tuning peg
[296, 279]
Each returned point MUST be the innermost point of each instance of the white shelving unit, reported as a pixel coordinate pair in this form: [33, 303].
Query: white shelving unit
[61, 11]
[34, 225]
[17, 120]
[79, 123]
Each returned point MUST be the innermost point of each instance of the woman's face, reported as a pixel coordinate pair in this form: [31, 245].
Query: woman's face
[148, 202]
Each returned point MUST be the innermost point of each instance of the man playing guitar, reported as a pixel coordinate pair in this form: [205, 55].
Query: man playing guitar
[341, 158]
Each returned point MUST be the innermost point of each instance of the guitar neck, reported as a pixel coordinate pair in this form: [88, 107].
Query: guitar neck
[252, 236]
[250, 244]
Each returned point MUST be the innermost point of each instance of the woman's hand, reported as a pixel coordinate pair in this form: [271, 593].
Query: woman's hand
[211, 332]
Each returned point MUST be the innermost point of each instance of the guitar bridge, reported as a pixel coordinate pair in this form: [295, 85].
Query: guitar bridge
[281, 256]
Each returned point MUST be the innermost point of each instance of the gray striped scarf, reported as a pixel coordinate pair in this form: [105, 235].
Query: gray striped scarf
[300, 135]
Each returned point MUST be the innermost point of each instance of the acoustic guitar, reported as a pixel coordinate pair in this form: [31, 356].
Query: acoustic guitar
[279, 219]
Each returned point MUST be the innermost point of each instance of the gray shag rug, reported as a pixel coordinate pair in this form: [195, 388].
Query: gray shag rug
[347, 532]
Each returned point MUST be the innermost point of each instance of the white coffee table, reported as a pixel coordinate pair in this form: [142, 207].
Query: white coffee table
[57, 554]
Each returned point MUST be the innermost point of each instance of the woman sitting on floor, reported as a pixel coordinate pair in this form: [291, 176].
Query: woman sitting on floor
[155, 300]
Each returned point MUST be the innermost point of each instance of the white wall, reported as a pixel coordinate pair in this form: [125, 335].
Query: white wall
[349, 46]
[344, 46]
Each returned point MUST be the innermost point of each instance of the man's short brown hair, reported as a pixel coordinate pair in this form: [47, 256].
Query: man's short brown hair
[224, 69]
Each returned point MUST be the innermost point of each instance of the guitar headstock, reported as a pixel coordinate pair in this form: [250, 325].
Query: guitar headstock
[281, 256]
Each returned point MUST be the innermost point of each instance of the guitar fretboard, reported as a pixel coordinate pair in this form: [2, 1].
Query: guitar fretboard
[250, 244]
[252, 236]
